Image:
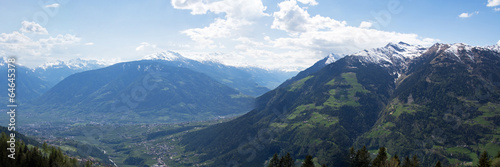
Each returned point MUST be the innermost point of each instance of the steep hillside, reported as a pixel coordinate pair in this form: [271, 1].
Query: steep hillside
[320, 114]
[446, 106]
[314, 68]
[439, 103]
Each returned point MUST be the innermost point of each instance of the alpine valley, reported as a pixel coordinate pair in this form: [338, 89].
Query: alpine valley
[437, 103]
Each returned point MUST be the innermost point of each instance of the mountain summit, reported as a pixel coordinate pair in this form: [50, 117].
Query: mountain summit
[165, 55]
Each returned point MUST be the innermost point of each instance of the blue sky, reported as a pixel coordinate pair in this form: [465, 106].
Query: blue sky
[285, 34]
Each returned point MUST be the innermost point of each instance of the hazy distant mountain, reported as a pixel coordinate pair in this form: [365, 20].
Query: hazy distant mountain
[28, 84]
[249, 80]
[54, 72]
[140, 92]
[439, 103]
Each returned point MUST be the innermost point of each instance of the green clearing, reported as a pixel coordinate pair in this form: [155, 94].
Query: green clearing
[341, 95]
[464, 151]
[322, 119]
[379, 132]
[298, 84]
[488, 110]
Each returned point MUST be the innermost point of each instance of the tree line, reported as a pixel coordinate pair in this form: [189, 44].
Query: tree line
[362, 158]
[33, 156]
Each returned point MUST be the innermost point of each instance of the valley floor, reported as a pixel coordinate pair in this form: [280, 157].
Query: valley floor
[123, 145]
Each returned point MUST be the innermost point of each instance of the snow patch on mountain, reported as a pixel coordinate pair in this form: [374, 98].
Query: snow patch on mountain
[459, 49]
[165, 55]
[75, 64]
[391, 54]
[495, 47]
[332, 58]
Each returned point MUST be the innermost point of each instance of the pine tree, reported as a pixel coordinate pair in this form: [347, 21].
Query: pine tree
[352, 157]
[396, 158]
[274, 162]
[308, 162]
[88, 163]
[394, 162]
[484, 160]
[44, 146]
[438, 164]
[362, 158]
[379, 161]
[414, 161]
[286, 161]
[406, 162]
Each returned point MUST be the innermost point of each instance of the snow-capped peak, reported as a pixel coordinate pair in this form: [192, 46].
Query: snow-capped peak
[332, 58]
[495, 47]
[457, 48]
[165, 55]
[73, 64]
[392, 53]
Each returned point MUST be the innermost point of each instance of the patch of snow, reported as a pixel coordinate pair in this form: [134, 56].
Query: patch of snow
[392, 53]
[332, 58]
[459, 49]
[494, 48]
[165, 55]
[73, 64]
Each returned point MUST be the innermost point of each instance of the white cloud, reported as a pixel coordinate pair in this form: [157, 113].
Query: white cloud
[493, 3]
[365, 24]
[89, 43]
[34, 48]
[467, 15]
[310, 2]
[498, 43]
[146, 46]
[496, 9]
[54, 5]
[32, 27]
[245, 9]
[220, 28]
[18, 44]
[294, 19]
[288, 61]
[238, 13]
[308, 38]
[247, 43]
[464, 15]
[324, 35]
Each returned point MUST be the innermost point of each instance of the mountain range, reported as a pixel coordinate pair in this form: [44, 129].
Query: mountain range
[248, 80]
[439, 103]
[74, 90]
[55, 72]
[138, 92]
